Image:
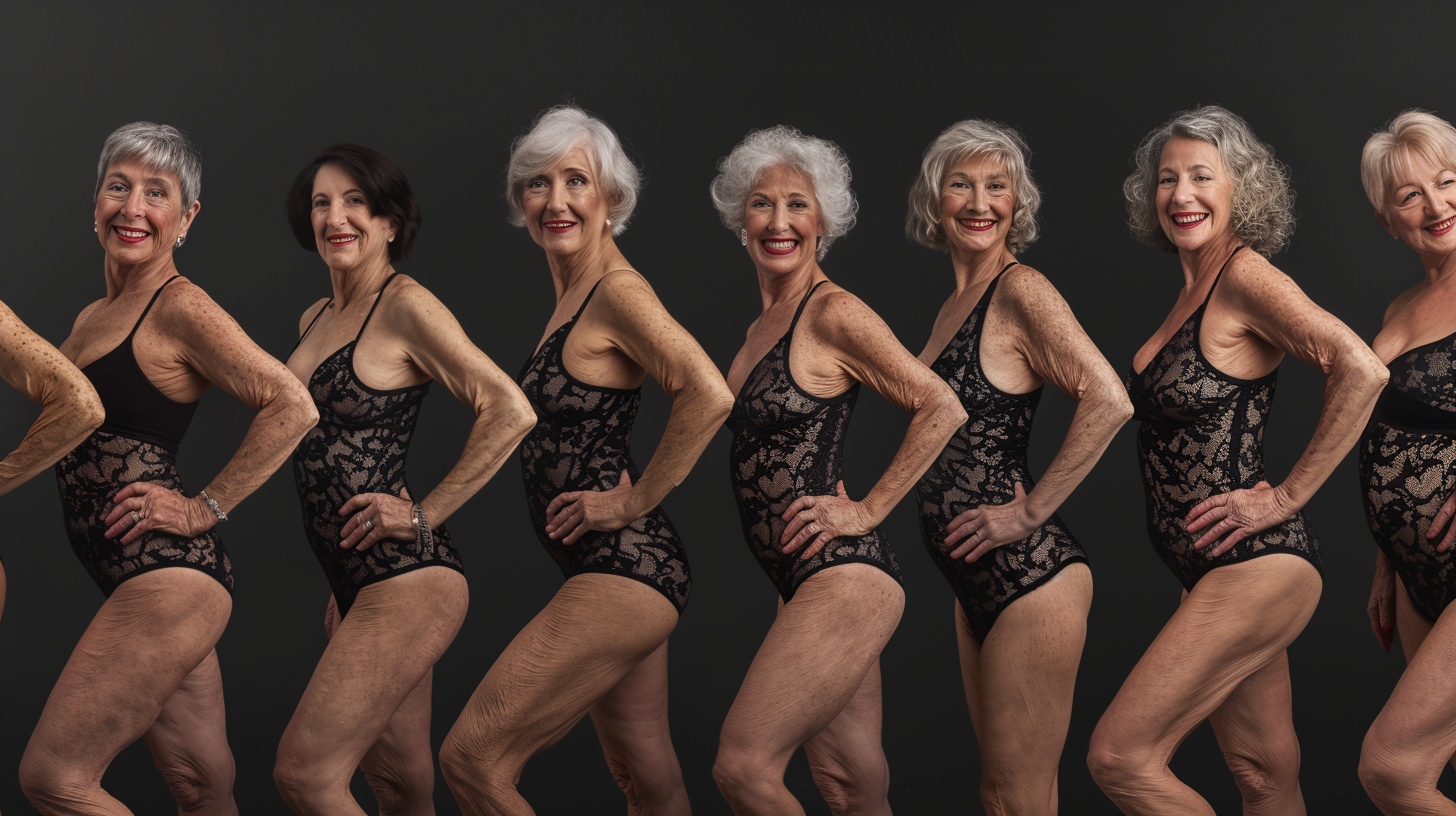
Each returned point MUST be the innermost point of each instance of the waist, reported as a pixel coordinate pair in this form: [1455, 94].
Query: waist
[1404, 412]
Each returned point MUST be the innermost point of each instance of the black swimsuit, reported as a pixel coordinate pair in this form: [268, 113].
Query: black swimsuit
[359, 446]
[137, 443]
[788, 443]
[1203, 433]
[1408, 470]
[980, 466]
[583, 441]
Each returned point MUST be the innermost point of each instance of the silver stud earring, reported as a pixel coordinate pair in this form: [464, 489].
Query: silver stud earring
[609, 222]
[95, 227]
[181, 239]
[743, 235]
[391, 239]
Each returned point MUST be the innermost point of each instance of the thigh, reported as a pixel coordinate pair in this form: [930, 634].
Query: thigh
[406, 737]
[852, 739]
[814, 659]
[376, 658]
[151, 633]
[1410, 625]
[1234, 621]
[1256, 720]
[191, 730]
[1419, 719]
[631, 717]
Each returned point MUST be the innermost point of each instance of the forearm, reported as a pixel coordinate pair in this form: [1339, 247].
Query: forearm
[274, 433]
[698, 410]
[1353, 385]
[1098, 417]
[70, 412]
[496, 433]
[931, 427]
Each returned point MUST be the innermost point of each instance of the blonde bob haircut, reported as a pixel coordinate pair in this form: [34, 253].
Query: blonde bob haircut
[554, 133]
[1414, 133]
[1263, 202]
[973, 138]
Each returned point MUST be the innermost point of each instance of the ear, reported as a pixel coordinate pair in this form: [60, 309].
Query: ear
[191, 214]
[1380, 219]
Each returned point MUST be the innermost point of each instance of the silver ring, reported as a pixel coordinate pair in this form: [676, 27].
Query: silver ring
[135, 519]
[368, 525]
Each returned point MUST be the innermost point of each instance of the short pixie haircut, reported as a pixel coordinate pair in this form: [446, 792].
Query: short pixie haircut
[1414, 133]
[160, 147]
[386, 191]
[1263, 202]
[822, 161]
[554, 133]
[973, 138]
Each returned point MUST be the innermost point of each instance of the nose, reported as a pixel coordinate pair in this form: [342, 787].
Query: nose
[134, 206]
[337, 218]
[1435, 203]
[556, 202]
[976, 202]
[1183, 191]
[780, 220]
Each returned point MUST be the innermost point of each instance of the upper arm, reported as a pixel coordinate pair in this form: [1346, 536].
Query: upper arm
[1276, 310]
[33, 366]
[1052, 341]
[869, 352]
[439, 347]
[216, 347]
[644, 331]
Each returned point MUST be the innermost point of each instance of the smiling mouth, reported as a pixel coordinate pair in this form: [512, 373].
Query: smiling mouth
[779, 246]
[131, 236]
[1443, 227]
[1188, 220]
[342, 239]
[977, 224]
[559, 225]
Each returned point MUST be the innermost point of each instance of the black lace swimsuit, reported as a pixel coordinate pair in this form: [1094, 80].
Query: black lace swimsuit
[137, 443]
[583, 441]
[1203, 433]
[359, 446]
[1408, 470]
[789, 443]
[979, 466]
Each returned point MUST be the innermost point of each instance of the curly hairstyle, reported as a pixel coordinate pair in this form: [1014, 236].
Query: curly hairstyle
[964, 140]
[554, 133]
[1263, 202]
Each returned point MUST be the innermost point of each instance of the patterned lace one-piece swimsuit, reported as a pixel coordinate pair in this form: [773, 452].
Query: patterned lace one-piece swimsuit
[583, 441]
[980, 466]
[359, 446]
[137, 443]
[1408, 470]
[789, 443]
[1202, 434]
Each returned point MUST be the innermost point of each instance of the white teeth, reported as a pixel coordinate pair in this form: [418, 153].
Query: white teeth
[1445, 224]
[131, 233]
[786, 244]
[1189, 219]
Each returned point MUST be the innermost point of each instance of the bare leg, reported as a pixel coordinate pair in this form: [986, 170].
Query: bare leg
[189, 743]
[575, 651]
[1235, 621]
[631, 721]
[1255, 730]
[1019, 685]
[847, 758]
[811, 666]
[376, 660]
[152, 632]
[1414, 737]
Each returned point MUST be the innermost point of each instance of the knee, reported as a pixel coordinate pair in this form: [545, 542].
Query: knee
[863, 788]
[648, 784]
[402, 785]
[1383, 773]
[738, 774]
[1267, 777]
[51, 784]
[468, 768]
[1114, 767]
[1004, 793]
[299, 782]
[199, 785]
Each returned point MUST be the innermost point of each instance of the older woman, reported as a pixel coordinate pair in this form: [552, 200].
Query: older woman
[368, 355]
[1021, 582]
[600, 645]
[1206, 188]
[815, 681]
[146, 666]
[1408, 467]
[70, 409]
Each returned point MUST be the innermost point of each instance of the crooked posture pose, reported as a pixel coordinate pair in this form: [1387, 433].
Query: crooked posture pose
[146, 667]
[600, 645]
[1021, 580]
[1206, 188]
[70, 409]
[815, 681]
[1408, 468]
[368, 355]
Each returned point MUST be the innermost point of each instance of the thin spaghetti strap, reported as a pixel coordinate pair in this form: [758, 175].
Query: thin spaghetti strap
[803, 303]
[1219, 276]
[377, 298]
[316, 317]
[155, 295]
[593, 291]
[1003, 270]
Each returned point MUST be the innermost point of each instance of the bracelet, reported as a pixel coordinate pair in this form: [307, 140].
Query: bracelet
[211, 502]
[422, 527]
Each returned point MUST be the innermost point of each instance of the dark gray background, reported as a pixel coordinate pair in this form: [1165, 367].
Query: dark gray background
[444, 93]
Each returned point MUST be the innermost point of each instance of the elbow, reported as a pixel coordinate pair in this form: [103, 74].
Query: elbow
[299, 411]
[521, 417]
[722, 404]
[90, 413]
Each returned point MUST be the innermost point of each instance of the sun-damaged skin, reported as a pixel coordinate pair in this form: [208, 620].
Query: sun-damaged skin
[1221, 656]
[367, 705]
[70, 409]
[1414, 737]
[145, 666]
[1030, 336]
[600, 645]
[815, 681]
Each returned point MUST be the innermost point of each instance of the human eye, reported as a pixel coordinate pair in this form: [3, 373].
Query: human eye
[535, 184]
[1167, 180]
[320, 202]
[575, 181]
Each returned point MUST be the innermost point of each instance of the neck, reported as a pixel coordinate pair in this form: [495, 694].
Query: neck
[352, 285]
[974, 270]
[1204, 263]
[590, 263]
[776, 288]
[148, 275]
[1440, 269]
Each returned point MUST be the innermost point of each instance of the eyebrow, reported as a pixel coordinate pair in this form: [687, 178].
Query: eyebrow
[1194, 167]
[346, 192]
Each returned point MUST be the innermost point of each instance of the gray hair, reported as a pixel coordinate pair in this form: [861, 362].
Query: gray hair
[822, 161]
[160, 147]
[1263, 202]
[1413, 133]
[973, 138]
[554, 133]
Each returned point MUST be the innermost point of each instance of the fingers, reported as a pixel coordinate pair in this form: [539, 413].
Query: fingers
[839, 489]
[125, 522]
[139, 529]
[962, 525]
[1446, 541]
[1020, 492]
[122, 509]
[983, 546]
[795, 528]
[359, 502]
[811, 529]
[369, 539]
[626, 480]
[1198, 517]
[556, 504]
[569, 523]
[576, 530]
[1228, 543]
[800, 505]
[1443, 517]
[814, 548]
[133, 489]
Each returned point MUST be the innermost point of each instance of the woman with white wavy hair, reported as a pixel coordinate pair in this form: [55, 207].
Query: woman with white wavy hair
[815, 681]
[1207, 189]
[600, 645]
[1021, 580]
[1408, 467]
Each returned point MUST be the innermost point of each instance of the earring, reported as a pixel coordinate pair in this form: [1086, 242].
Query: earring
[391, 239]
[95, 227]
[743, 235]
[181, 239]
[609, 222]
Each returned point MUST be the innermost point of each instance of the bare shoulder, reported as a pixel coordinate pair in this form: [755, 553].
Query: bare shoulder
[841, 313]
[408, 298]
[190, 311]
[1401, 301]
[1250, 271]
[311, 313]
[1026, 289]
[625, 286]
[86, 313]
[628, 300]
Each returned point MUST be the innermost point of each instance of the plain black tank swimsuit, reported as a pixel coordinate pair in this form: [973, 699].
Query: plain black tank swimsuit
[359, 446]
[981, 465]
[137, 443]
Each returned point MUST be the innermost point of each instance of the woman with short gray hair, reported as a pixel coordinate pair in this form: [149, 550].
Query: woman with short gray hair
[600, 645]
[1021, 580]
[1408, 466]
[1206, 188]
[146, 666]
[815, 681]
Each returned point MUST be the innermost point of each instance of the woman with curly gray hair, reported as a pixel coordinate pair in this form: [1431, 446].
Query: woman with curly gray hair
[1206, 188]
[815, 681]
[1021, 580]
[1408, 467]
